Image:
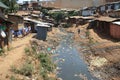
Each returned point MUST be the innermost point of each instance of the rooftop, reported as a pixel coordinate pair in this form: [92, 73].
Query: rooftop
[118, 22]
[107, 19]
[3, 5]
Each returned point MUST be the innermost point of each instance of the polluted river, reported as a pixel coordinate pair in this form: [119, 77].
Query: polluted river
[70, 65]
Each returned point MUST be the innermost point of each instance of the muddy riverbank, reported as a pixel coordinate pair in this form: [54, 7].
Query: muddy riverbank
[101, 55]
[82, 56]
[71, 65]
[65, 51]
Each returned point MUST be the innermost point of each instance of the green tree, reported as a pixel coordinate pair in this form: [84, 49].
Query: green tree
[12, 4]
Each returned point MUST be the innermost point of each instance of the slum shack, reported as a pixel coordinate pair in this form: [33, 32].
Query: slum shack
[5, 32]
[102, 25]
[33, 22]
[18, 21]
[115, 13]
[114, 9]
[5, 25]
[88, 11]
[42, 31]
[71, 20]
[115, 29]
[102, 9]
[116, 5]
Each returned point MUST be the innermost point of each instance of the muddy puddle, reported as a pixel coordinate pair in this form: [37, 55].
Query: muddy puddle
[70, 65]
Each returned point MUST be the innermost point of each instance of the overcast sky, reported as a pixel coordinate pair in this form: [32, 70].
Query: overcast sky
[20, 1]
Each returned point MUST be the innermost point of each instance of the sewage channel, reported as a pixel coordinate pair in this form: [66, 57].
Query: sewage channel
[70, 64]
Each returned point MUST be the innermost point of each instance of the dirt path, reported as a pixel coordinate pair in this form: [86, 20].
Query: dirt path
[13, 56]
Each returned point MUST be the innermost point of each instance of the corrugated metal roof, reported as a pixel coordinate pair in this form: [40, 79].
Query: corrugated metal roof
[107, 19]
[43, 24]
[118, 22]
[3, 5]
[77, 17]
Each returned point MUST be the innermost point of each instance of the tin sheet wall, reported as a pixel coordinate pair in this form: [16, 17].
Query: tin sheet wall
[115, 31]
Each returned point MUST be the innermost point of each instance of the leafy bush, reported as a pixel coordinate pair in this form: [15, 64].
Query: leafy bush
[72, 13]
[27, 51]
[12, 78]
[46, 62]
[58, 16]
[25, 70]
[1, 51]
[67, 25]
[45, 11]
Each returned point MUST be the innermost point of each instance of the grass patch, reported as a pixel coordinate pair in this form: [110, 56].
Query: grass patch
[87, 33]
[2, 51]
[37, 62]
[26, 69]
[12, 78]
[27, 51]
[46, 64]
[91, 40]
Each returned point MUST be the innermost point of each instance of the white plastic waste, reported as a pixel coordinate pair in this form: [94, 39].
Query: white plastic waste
[3, 34]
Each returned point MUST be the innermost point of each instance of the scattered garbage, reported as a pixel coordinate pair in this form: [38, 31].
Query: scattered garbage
[75, 75]
[98, 61]
[58, 68]
[49, 49]
[59, 79]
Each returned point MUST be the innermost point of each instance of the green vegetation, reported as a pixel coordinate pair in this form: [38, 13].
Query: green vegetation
[12, 4]
[72, 13]
[1, 52]
[87, 33]
[27, 51]
[67, 25]
[58, 16]
[91, 41]
[12, 78]
[45, 11]
[44, 63]
[25, 70]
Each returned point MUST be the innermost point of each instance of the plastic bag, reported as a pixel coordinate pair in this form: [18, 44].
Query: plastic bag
[2, 33]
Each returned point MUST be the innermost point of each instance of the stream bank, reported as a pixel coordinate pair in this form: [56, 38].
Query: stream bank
[70, 64]
[102, 55]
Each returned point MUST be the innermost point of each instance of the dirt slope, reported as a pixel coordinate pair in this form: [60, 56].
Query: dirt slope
[13, 56]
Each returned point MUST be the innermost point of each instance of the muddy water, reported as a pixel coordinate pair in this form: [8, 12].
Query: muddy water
[70, 64]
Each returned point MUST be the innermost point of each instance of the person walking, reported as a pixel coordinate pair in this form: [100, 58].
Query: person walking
[78, 31]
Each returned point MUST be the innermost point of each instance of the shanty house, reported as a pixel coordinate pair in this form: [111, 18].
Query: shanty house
[116, 5]
[5, 26]
[102, 9]
[107, 26]
[103, 24]
[33, 24]
[90, 11]
[18, 21]
[114, 9]
[25, 5]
